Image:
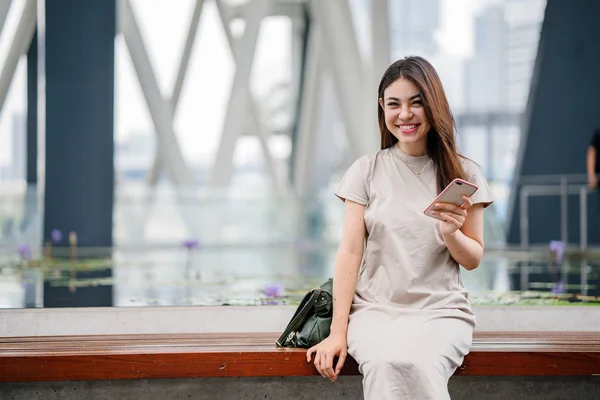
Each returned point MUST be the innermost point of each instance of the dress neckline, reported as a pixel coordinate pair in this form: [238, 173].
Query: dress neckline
[408, 158]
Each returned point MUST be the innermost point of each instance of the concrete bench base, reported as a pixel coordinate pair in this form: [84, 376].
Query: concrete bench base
[309, 388]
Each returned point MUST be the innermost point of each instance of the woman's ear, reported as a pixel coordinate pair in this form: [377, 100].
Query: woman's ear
[381, 102]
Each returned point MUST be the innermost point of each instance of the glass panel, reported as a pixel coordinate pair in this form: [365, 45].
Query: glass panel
[271, 272]
[251, 241]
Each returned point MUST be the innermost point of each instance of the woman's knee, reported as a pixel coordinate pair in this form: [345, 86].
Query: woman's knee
[412, 366]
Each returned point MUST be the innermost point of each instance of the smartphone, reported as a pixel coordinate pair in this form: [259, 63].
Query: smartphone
[453, 193]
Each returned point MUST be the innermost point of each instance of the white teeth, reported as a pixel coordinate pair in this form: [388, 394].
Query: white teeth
[408, 126]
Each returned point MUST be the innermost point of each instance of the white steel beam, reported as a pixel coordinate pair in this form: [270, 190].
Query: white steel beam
[258, 126]
[380, 38]
[263, 135]
[309, 110]
[380, 60]
[161, 113]
[18, 47]
[158, 163]
[186, 54]
[345, 63]
[238, 107]
[298, 36]
[160, 110]
[4, 8]
[292, 9]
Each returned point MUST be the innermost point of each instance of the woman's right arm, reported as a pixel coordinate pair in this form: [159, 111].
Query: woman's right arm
[345, 275]
[347, 264]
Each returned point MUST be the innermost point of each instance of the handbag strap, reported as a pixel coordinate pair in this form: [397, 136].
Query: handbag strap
[300, 315]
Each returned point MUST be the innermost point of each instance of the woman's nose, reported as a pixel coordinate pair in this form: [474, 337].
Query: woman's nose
[405, 113]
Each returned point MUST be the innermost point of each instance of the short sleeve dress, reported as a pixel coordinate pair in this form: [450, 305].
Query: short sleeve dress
[411, 323]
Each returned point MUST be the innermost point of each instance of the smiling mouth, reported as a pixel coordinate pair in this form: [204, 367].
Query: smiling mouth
[408, 128]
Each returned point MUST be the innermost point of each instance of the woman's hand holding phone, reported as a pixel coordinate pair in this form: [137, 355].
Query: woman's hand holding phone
[451, 216]
[451, 205]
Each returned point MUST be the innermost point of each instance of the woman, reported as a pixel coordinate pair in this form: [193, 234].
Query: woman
[400, 308]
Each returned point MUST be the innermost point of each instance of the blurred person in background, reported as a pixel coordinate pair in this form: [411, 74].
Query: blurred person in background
[593, 164]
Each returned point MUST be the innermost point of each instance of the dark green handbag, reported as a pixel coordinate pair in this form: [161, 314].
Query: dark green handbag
[311, 322]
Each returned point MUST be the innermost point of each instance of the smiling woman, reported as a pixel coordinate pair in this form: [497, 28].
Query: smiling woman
[405, 116]
[394, 295]
[414, 113]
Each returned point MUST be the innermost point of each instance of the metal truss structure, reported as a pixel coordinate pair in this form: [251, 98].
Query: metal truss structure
[325, 46]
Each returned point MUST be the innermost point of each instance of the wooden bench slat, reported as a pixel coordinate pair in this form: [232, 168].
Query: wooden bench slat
[239, 354]
[262, 342]
[551, 336]
[269, 337]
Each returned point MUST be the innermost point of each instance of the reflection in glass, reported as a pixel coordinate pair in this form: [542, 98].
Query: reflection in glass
[251, 244]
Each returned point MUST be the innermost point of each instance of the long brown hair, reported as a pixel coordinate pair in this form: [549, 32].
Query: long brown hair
[441, 144]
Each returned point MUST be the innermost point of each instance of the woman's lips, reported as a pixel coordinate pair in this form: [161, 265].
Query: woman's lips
[408, 128]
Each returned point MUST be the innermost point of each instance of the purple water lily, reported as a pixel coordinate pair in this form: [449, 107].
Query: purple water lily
[557, 247]
[191, 244]
[56, 236]
[25, 251]
[273, 290]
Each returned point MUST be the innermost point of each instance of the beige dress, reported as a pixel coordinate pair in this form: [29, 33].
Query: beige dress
[411, 322]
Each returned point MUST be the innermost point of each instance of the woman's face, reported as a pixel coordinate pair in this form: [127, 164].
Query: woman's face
[405, 116]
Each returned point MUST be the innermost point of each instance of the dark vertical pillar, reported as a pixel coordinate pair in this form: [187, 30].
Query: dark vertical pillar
[79, 186]
[32, 111]
[79, 69]
[31, 195]
[561, 114]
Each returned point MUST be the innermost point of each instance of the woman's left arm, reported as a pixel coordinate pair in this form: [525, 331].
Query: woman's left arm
[462, 231]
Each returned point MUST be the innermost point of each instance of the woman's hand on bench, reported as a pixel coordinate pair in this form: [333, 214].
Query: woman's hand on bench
[325, 352]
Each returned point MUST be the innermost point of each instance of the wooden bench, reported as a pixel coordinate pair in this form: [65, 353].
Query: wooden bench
[28, 359]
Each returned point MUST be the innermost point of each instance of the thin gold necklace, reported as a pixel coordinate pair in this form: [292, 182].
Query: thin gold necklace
[418, 172]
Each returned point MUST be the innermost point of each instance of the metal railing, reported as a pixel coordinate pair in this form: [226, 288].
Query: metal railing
[548, 186]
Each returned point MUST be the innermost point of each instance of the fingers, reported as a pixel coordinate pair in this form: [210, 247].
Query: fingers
[324, 357]
[321, 364]
[451, 211]
[317, 363]
[468, 203]
[324, 363]
[309, 353]
[441, 207]
[451, 218]
[327, 363]
[340, 363]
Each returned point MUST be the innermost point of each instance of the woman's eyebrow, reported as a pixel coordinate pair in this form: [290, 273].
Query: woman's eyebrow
[410, 98]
